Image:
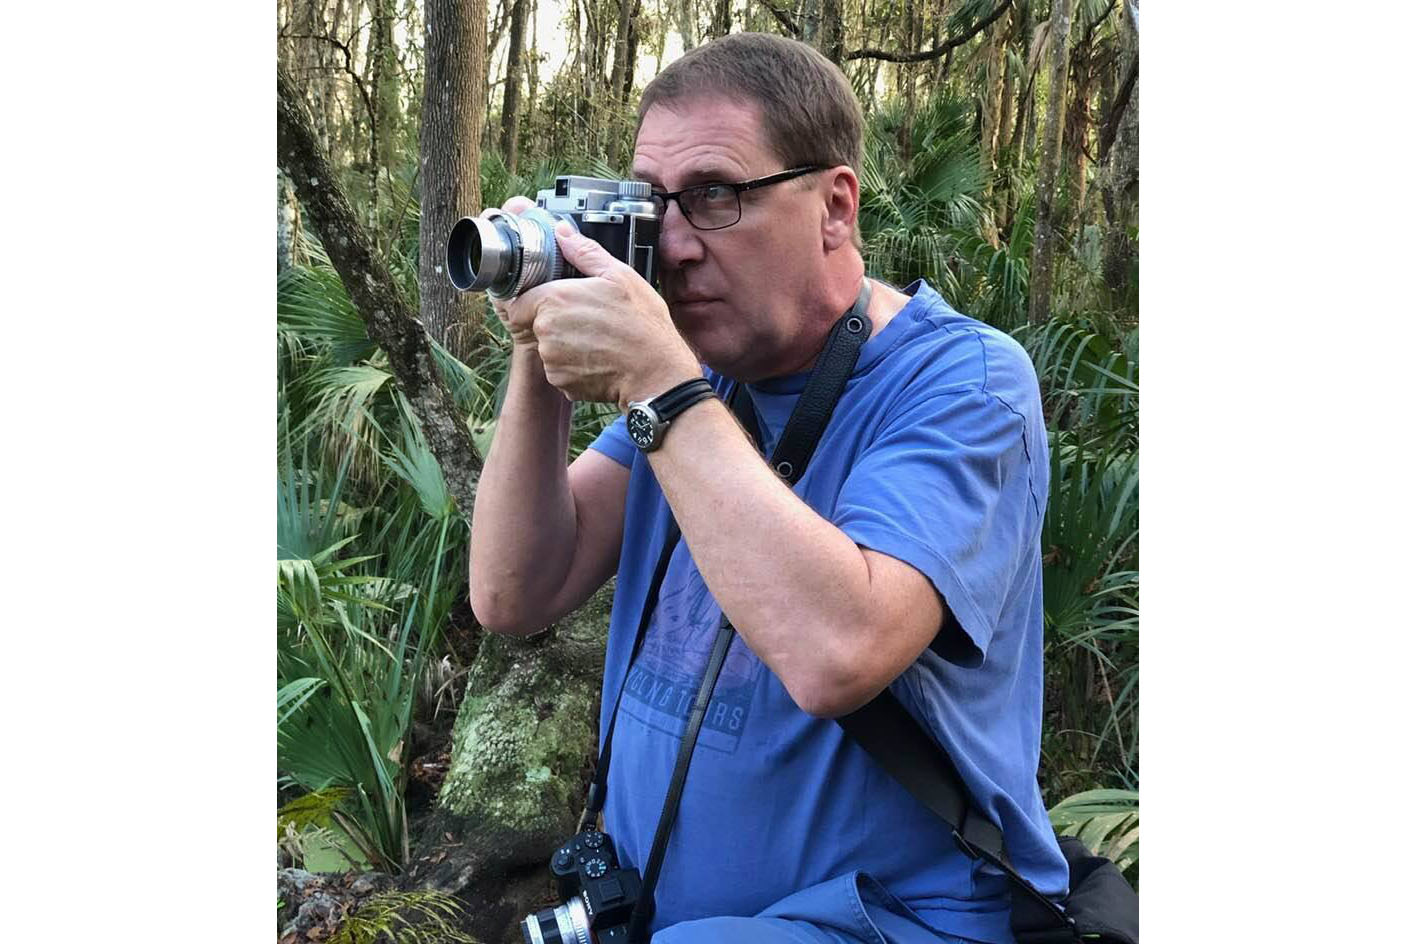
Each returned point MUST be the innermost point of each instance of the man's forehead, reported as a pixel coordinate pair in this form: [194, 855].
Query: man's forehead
[697, 140]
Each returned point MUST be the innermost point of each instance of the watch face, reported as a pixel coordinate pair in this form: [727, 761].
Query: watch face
[641, 427]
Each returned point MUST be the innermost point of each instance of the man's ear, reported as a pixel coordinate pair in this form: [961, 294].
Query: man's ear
[842, 204]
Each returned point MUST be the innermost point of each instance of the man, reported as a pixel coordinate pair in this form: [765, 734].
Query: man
[919, 516]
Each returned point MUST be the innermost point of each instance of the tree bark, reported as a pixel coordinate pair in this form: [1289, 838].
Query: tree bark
[1120, 178]
[994, 66]
[722, 19]
[831, 40]
[450, 147]
[621, 68]
[387, 315]
[1045, 233]
[511, 99]
[686, 22]
[287, 222]
[522, 754]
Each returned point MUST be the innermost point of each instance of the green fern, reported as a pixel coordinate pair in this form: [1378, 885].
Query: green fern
[406, 918]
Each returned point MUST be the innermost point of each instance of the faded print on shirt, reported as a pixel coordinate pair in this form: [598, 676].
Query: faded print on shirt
[665, 678]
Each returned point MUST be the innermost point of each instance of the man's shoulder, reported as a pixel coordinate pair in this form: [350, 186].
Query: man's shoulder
[943, 351]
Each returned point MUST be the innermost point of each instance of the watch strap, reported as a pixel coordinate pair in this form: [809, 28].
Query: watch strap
[676, 399]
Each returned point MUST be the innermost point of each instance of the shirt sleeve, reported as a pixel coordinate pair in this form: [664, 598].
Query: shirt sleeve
[945, 488]
[614, 442]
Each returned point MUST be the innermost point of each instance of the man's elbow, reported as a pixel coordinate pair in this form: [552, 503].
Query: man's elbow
[496, 613]
[829, 695]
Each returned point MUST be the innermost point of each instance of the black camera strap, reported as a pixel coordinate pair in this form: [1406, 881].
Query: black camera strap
[803, 431]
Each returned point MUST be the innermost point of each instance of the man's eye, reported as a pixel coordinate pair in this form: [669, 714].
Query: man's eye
[716, 193]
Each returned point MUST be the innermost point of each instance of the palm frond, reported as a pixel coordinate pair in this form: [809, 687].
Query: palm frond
[1108, 822]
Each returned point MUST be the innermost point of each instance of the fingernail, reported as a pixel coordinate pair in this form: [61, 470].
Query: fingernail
[564, 229]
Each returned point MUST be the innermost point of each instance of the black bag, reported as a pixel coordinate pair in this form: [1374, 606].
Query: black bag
[1101, 902]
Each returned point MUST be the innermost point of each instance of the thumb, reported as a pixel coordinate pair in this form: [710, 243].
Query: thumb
[588, 256]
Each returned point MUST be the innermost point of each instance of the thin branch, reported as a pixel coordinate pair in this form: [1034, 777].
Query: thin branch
[1099, 20]
[790, 25]
[1118, 109]
[348, 67]
[937, 51]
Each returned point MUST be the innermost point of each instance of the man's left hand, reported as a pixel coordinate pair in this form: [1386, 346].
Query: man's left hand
[607, 337]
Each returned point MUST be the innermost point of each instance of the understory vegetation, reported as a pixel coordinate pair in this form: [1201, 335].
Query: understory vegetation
[374, 633]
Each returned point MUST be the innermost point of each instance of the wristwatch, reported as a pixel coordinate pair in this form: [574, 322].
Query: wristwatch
[648, 420]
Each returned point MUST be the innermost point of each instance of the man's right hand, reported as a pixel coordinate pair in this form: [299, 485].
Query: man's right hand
[522, 335]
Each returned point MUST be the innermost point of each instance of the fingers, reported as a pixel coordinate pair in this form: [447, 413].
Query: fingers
[588, 256]
[517, 205]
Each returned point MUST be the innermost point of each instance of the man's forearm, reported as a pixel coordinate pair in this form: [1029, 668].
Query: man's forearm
[523, 523]
[794, 585]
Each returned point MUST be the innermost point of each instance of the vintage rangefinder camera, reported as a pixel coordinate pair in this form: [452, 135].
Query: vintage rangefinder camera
[505, 254]
[599, 895]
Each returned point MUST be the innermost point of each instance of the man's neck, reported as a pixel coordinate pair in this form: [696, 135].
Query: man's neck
[885, 303]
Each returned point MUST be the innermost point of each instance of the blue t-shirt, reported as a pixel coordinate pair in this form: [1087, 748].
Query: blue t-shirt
[937, 456]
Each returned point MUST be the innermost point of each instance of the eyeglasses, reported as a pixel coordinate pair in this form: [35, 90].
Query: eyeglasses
[719, 205]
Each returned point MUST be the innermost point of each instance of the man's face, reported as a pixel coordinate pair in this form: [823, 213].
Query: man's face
[741, 295]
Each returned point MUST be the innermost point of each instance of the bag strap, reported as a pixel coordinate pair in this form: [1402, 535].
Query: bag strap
[897, 742]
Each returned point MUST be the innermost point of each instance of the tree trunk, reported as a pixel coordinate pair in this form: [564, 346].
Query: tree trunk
[622, 67]
[287, 222]
[686, 22]
[1078, 128]
[832, 37]
[1003, 160]
[1045, 233]
[449, 145]
[994, 65]
[722, 19]
[383, 89]
[387, 315]
[522, 753]
[635, 32]
[511, 99]
[533, 60]
[1025, 90]
[1120, 180]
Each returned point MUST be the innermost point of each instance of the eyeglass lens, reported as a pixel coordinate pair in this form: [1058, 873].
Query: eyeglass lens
[712, 206]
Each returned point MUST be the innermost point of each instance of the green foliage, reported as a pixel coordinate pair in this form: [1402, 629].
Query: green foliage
[371, 554]
[1091, 533]
[406, 918]
[1108, 822]
[362, 594]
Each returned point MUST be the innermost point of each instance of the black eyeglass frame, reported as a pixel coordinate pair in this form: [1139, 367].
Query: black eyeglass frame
[738, 190]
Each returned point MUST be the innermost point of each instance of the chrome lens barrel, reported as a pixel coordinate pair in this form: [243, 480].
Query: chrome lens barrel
[564, 924]
[503, 254]
[484, 253]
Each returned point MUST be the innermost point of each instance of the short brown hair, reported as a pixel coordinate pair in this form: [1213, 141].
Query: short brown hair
[809, 113]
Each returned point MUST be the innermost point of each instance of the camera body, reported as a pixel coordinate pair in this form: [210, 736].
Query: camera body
[505, 254]
[599, 895]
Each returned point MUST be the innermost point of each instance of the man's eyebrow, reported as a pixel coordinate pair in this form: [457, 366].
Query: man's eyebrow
[702, 175]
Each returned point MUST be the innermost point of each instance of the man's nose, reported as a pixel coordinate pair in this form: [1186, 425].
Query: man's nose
[679, 243]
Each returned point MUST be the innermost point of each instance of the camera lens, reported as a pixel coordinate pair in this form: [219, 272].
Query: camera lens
[483, 254]
[503, 254]
[563, 924]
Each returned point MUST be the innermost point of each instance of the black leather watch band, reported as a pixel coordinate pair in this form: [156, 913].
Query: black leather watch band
[648, 421]
[675, 400]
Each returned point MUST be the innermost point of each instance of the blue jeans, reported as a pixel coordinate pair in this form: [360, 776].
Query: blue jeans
[850, 909]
